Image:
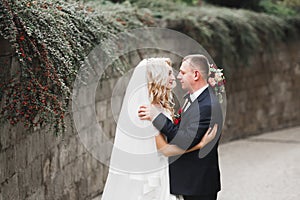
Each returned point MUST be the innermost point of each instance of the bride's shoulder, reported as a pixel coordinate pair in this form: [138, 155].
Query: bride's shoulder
[167, 113]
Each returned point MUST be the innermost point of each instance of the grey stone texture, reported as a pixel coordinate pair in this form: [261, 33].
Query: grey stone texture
[264, 96]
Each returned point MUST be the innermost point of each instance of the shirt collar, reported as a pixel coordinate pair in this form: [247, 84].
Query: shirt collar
[197, 93]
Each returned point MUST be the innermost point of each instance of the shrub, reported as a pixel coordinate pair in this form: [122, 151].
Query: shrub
[50, 40]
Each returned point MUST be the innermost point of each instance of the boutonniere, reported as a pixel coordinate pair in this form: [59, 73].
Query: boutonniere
[177, 117]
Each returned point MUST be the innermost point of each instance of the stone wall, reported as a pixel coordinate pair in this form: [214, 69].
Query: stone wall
[264, 94]
[261, 96]
[38, 165]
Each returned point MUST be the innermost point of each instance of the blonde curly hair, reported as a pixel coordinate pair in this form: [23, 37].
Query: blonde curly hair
[157, 77]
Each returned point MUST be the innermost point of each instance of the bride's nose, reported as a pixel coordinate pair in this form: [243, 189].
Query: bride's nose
[173, 77]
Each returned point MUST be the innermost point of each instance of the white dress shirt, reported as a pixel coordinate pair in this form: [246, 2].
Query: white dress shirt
[194, 96]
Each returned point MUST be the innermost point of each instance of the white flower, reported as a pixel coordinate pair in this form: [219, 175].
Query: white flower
[212, 81]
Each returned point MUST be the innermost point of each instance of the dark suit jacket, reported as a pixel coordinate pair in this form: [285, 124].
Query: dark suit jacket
[197, 172]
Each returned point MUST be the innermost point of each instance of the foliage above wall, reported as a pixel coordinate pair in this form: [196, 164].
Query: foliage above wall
[51, 39]
[230, 35]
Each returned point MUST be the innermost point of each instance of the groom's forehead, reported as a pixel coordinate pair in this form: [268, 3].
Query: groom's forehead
[185, 65]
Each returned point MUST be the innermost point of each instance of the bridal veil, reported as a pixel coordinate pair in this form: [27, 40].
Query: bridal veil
[137, 170]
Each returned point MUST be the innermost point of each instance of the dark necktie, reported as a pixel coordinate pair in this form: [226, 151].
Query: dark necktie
[187, 102]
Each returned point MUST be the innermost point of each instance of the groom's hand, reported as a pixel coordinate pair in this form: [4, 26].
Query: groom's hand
[149, 112]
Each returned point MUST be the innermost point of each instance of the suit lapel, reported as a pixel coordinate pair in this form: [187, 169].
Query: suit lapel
[200, 98]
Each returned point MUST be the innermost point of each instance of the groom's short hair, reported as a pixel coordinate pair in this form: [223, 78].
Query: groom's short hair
[200, 62]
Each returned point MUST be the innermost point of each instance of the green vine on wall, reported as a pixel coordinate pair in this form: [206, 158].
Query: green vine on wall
[231, 36]
[50, 39]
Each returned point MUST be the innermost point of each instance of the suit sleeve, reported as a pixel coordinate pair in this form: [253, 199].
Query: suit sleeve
[189, 135]
[217, 118]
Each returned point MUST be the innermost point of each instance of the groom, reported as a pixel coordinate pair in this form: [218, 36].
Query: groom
[194, 175]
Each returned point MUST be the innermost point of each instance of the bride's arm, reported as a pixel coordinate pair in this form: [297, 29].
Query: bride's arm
[172, 150]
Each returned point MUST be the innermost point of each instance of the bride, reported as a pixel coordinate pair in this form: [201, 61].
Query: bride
[139, 161]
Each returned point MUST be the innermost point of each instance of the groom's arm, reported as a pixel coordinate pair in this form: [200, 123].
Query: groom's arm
[165, 126]
[185, 136]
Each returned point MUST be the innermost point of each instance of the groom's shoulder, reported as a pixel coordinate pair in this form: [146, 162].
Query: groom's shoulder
[205, 96]
[208, 98]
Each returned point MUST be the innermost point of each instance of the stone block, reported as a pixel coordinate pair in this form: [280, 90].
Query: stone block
[101, 110]
[7, 137]
[58, 184]
[37, 195]
[80, 148]
[36, 174]
[289, 111]
[72, 193]
[94, 161]
[63, 155]
[10, 154]
[274, 122]
[250, 129]
[30, 153]
[67, 173]
[41, 142]
[116, 105]
[87, 117]
[113, 129]
[96, 138]
[86, 167]
[90, 138]
[21, 154]
[105, 151]
[112, 83]
[34, 146]
[70, 128]
[97, 197]
[103, 91]
[77, 171]
[21, 131]
[106, 128]
[105, 173]
[50, 140]
[261, 116]
[94, 183]
[109, 112]
[2, 167]
[97, 165]
[24, 177]
[10, 190]
[84, 96]
[72, 147]
[54, 162]
[82, 187]
[46, 169]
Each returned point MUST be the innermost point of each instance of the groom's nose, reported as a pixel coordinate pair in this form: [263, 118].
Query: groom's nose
[179, 76]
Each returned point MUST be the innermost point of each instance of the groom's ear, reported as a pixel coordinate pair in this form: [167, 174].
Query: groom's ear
[197, 75]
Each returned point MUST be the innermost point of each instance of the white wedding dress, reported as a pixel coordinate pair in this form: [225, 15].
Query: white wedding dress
[137, 170]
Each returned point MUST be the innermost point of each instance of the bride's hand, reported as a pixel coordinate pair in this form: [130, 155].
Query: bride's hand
[209, 135]
[207, 138]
